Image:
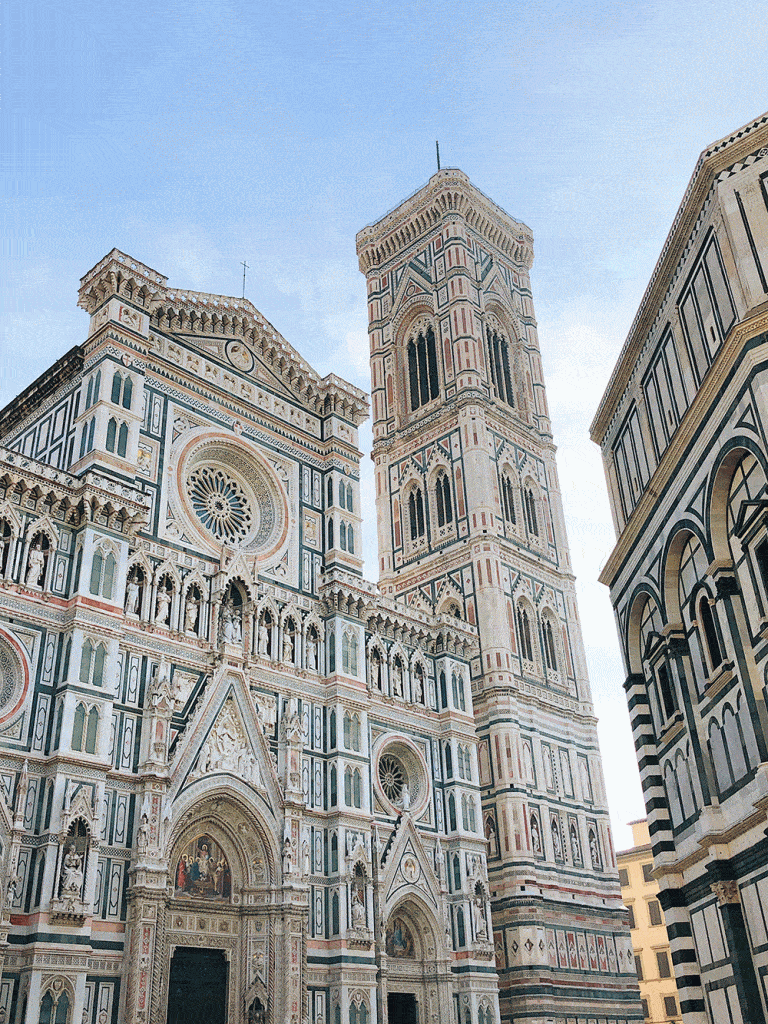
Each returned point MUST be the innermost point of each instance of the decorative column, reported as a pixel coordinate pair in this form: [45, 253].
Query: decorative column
[295, 912]
[148, 872]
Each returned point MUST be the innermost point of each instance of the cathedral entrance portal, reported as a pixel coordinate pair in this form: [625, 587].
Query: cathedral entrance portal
[402, 1008]
[197, 993]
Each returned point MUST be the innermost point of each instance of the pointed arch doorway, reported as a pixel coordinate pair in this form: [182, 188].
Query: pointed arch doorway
[197, 989]
[417, 986]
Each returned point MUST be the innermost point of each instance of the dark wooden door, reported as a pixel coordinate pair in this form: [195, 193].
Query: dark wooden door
[402, 1008]
[197, 993]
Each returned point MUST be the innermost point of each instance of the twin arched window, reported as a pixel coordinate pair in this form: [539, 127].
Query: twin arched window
[85, 729]
[92, 663]
[416, 513]
[499, 366]
[524, 633]
[102, 574]
[548, 642]
[88, 436]
[349, 651]
[122, 390]
[422, 368]
[117, 437]
[443, 499]
[351, 731]
[94, 386]
[353, 788]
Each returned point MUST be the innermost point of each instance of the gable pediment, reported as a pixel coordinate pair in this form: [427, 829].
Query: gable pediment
[226, 739]
[408, 866]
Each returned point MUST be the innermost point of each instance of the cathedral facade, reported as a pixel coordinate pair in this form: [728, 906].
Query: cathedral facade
[682, 426]
[241, 783]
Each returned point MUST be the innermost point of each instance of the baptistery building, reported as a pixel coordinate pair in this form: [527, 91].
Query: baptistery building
[682, 430]
[239, 782]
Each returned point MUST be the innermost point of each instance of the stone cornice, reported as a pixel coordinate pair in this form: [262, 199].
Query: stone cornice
[92, 492]
[358, 597]
[32, 397]
[714, 159]
[720, 370]
[201, 315]
[449, 193]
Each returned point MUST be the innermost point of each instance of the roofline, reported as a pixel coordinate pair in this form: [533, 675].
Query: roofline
[714, 158]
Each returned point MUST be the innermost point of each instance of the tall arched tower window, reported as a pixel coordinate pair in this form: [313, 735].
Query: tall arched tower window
[499, 366]
[422, 368]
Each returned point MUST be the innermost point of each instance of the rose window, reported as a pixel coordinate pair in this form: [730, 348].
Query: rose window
[220, 504]
[391, 777]
[13, 681]
[8, 675]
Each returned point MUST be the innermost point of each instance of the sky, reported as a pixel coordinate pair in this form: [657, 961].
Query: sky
[194, 136]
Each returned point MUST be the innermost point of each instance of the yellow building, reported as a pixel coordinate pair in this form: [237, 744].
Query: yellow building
[653, 962]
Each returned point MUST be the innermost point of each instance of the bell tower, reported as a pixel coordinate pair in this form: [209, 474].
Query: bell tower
[470, 524]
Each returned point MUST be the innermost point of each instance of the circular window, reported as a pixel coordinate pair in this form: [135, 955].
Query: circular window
[392, 778]
[13, 680]
[401, 779]
[229, 495]
[220, 504]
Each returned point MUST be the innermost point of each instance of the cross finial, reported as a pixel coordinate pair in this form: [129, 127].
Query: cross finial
[437, 150]
[245, 267]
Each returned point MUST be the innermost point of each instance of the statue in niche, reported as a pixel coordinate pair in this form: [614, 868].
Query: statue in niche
[287, 859]
[163, 606]
[312, 652]
[232, 623]
[288, 648]
[535, 834]
[575, 845]
[418, 688]
[35, 565]
[594, 851]
[191, 610]
[481, 922]
[397, 678]
[405, 798]
[72, 873]
[556, 841]
[358, 908]
[263, 638]
[142, 836]
[132, 591]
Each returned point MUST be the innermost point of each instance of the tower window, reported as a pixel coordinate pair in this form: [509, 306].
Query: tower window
[531, 518]
[499, 366]
[422, 368]
[416, 513]
[524, 633]
[443, 499]
[508, 499]
[550, 653]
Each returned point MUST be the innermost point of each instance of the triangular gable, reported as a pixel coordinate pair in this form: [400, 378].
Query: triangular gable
[496, 285]
[411, 284]
[226, 738]
[407, 868]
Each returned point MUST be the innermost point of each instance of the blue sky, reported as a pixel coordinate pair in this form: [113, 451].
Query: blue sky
[194, 136]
